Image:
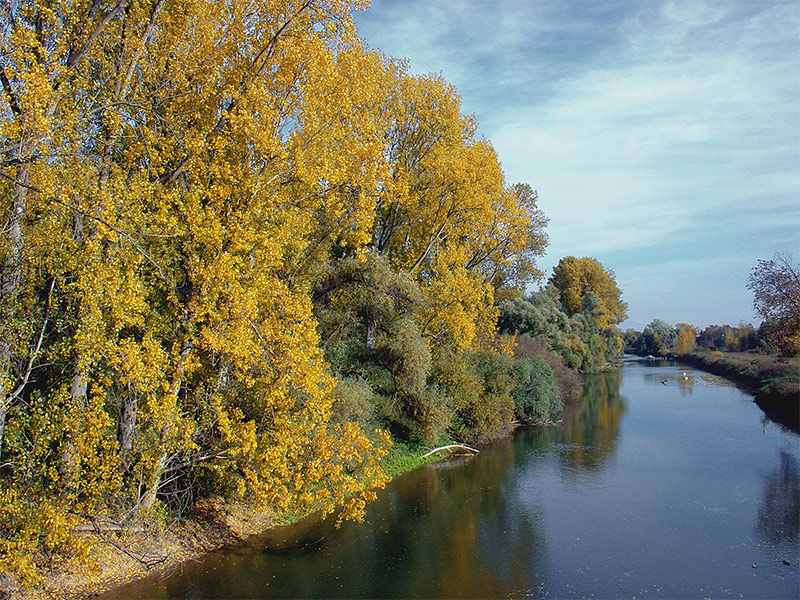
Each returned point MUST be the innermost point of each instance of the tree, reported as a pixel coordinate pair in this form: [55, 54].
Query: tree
[574, 277]
[664, 336]
[167, 170]
[536, 395]
[685, 340]
[188, 188]
[445, 215]
[775, 285]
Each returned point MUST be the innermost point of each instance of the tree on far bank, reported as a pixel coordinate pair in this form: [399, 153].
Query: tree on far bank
[775, 285]
[658, 338]
[685, 340]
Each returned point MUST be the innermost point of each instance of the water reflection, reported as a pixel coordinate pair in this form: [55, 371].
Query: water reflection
[779, 511]
[437, 532]
[588, 436]
[683, 380]
[675, 503]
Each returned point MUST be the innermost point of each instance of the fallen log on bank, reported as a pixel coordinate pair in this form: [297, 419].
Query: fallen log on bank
[449, 447]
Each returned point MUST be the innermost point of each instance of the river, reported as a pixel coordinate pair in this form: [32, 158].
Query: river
[661, 484]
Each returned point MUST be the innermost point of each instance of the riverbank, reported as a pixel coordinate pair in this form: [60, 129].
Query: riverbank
[120, 557]
[116, 558]
[775, 383]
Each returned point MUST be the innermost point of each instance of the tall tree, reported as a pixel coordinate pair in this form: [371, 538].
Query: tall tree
[575, 277]
[167, 167]
[685, 340]
[775, 285]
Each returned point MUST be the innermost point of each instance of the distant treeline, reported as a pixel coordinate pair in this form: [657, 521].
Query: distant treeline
[659, 338]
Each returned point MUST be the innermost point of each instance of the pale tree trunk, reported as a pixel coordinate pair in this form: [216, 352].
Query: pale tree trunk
[9, 286]
[371, 335]
[5, 373]
[70, 461]
[126, 427]
[2, 418]
[154, 484]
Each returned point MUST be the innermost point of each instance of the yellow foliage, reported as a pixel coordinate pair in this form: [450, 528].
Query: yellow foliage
[172, 173]
[576, 277]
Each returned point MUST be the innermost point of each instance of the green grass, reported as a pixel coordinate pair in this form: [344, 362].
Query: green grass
[403, 457]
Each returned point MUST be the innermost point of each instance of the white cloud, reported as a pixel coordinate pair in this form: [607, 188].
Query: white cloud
[692, 12]
[651, 130]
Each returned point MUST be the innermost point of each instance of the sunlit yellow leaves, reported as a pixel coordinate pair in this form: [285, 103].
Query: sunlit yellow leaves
[184, 160]
[577, 277]
[188, 167]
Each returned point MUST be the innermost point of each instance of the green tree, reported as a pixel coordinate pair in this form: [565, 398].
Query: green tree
[663, 337]
[536, 395]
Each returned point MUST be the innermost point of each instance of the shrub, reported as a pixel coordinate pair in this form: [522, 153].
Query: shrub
[570, 383]
[536, 397]
[479, 386]
[352, 401]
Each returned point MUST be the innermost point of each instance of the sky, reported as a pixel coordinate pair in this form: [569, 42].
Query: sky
[663, 136]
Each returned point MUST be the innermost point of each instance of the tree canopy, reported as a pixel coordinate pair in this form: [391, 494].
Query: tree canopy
[775, 285]
[574, 278]
[238, 247]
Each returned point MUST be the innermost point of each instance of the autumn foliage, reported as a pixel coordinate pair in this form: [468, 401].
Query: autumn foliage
[238, 246]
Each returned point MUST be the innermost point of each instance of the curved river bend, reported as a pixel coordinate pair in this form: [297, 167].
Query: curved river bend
[661, 485]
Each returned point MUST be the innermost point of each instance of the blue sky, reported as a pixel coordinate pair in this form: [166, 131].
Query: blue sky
[663, 137]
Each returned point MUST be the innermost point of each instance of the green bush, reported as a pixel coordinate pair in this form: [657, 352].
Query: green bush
[536, 397]
[479, 386]
[352, 401]
[570, 383]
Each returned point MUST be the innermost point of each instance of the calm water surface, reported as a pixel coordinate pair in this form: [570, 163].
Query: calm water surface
[661, 485]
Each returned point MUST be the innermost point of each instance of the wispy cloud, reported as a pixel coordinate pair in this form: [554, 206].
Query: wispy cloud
[653, 131]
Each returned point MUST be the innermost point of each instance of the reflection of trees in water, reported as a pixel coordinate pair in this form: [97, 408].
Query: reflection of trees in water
[779, 511]
[436, 532]
[479, 541]
[591, 434]
[685, 382]
[686, 385]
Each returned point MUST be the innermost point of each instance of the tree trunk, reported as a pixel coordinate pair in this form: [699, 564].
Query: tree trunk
[126, 427]
[149, 497]
[70, 461]
[371, 335]
[10, 277]
[154, 484]
[2, 416]
[12, 266]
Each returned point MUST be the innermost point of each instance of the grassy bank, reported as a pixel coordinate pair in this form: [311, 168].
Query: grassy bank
[776, 383]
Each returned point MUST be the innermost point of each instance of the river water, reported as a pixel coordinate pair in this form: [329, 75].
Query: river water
[660, 485]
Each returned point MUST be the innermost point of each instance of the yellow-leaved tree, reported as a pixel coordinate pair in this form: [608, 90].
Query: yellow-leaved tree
[168, 168]
[446, 216]
[576, 277]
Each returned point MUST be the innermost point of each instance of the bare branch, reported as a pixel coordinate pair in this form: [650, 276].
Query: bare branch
[450, 447]
[35, 353]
